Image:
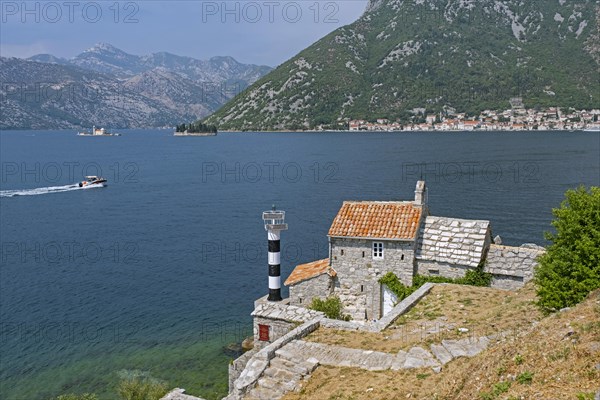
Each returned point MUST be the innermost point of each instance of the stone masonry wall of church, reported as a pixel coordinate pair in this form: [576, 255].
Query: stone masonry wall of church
[358, 273]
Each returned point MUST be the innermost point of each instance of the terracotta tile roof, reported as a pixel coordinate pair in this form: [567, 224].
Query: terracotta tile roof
[393, 220]
[310, 270]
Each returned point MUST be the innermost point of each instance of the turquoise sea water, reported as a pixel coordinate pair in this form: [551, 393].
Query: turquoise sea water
[158, 271]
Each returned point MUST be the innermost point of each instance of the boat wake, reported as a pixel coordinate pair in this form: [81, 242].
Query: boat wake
[44, 190]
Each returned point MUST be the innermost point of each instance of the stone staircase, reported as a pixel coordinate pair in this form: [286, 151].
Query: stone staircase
[298, 359]
[284, 374]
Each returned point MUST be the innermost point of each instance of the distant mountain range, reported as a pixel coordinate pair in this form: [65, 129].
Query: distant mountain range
[404, 55]
[105, 86]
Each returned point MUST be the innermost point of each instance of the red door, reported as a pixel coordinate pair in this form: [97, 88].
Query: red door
[263, 333]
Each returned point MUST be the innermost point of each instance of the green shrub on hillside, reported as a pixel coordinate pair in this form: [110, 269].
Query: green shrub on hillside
[141, 389]
[72, 396]
[332, 307]
[570, 268]
[475, 277]
[393, 283]
[140, 385]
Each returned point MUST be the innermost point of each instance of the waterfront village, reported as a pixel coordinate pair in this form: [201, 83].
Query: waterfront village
[517, 118]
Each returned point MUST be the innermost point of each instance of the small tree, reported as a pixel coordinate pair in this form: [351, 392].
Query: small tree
[570, 269]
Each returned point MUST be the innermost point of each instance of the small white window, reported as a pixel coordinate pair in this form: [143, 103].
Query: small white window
[377, 250]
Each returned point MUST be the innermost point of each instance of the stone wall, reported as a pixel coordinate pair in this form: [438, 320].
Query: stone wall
[512, 267]
[302, 293]
[277, 329]
[280, 317]
[402, 307]
[434, 268]
[259, 361]
[239, 364]
[358, 273]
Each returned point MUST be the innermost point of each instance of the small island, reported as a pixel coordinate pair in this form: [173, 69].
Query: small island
[195, 129]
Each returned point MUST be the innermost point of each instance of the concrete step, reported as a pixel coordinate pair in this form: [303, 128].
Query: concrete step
[294, 367]
[282, 375]
[277, 385]
[290, 353]
[311, 364]
[261, 393]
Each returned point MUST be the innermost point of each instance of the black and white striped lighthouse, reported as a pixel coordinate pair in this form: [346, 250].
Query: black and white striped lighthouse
[274, 224]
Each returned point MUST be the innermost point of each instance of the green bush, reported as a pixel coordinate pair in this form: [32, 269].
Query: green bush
[570, 268]
[475, 277]
[139, 388]
[85, 396]
[393, 283]
[332, 307]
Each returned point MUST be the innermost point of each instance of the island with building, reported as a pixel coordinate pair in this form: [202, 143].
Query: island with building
[195, 129]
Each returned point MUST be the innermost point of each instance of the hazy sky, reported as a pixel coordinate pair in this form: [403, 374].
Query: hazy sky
[260, 32]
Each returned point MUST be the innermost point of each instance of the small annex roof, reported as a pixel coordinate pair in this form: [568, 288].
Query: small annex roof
[310, 270]
[392, 220]
[284, 312]
[453, 240]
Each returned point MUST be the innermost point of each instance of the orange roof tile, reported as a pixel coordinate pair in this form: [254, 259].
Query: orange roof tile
[310, 270]
[378, 220]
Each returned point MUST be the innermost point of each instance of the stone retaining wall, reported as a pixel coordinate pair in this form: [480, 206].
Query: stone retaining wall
[402, 307]
[385, 321]
[238, 365]
[435, 268]
[512, 267]
[280, 318]
[260, 360]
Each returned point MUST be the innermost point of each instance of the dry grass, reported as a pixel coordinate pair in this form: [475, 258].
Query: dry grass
[438, 316]
[560, 354]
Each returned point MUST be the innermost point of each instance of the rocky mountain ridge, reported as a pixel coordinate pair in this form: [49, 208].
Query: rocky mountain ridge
[402, 55]
[105, 86]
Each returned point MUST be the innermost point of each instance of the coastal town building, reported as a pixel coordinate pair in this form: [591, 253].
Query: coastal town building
[515, 119]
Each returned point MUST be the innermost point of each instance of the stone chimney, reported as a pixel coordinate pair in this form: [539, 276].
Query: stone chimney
[420, 194]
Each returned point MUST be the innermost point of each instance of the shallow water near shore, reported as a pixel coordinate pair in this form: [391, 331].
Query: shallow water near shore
[158, 271]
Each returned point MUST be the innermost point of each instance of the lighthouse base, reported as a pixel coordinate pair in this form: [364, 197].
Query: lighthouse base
[274, 295]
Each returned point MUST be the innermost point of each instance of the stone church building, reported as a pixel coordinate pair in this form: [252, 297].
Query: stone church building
[368, 239]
